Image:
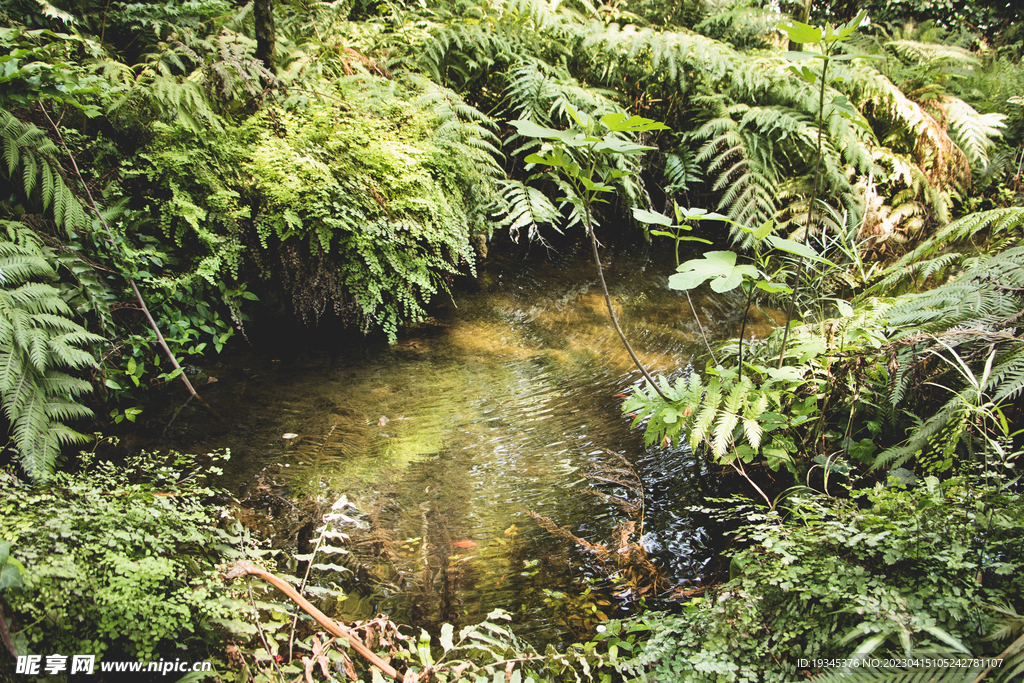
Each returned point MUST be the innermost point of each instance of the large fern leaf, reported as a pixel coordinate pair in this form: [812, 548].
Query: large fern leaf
[38, 339]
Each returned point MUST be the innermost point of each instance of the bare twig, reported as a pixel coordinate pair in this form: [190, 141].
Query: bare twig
[266, 646]
[615, 321]
[131, 281]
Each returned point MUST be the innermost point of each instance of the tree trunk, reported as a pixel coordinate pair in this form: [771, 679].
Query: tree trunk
[803, 15]
[263, 13]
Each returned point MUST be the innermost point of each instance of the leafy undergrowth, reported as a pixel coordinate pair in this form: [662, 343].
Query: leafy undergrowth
[890, 573]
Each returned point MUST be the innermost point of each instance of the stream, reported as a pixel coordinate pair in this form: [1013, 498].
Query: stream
[506, 402]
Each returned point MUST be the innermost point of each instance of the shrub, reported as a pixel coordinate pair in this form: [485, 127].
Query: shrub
[892, 570]
[110, 562]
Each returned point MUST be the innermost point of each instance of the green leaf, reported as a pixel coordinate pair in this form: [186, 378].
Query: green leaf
[10, 575]
[651, 217]
[800, 55]
[799, 32]
[765, 230]
[700, 215]
[446, 636]
[796, 248]
[551, 160]
[634, 124]
[774, 287]
[771, 421]
[718, 266]
[621, 147]
[532, 130]
[803, 73]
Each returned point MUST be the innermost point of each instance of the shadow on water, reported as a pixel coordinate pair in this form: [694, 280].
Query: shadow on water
[501, 403]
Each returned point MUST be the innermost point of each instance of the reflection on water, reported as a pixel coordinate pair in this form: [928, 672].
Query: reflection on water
[501, 404]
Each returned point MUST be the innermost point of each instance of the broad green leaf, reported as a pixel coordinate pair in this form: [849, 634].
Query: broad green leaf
[532, 130]
[786, 373]
[551, 160]
[800, 55]
[718, 266]
[10, 576]
[765, 230]
[796, 248]
[446, 636]
[651, 217]
[804, 73]
[621, 147]
[700, 215]
[591, 186]
[575, 115]
[845, 309]
[774, 287]
[802, 33]
[771, 421]
[634, 124]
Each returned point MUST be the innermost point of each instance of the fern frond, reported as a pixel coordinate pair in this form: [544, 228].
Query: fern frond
[974, 132]
[37, 340]
[526, 207]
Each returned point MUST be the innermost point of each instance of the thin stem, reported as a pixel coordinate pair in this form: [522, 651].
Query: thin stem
[743, 327]
[266, 646]
[583, 195]
[700, 326]
[611, 311]
[810, 209]
[743, 473]
[131, 281]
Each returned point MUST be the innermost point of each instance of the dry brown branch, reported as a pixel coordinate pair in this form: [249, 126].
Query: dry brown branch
[244, 567]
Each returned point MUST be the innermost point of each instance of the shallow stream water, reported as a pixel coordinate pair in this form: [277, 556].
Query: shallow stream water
[505, 402]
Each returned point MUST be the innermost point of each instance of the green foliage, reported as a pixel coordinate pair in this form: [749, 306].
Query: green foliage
[28, 153]
[586, 158]
[39, 340]
[362, 202]
[909, 572]
[111, 562]
[43, 65]
[946, 336]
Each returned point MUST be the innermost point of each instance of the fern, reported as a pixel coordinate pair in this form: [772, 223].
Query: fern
[973, 316]
[526, 207]
[28, 147]
[37, 341]
[974, 133]
[1007, 222]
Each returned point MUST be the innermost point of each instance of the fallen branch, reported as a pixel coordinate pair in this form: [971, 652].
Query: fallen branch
[135, 289]
[243, 568]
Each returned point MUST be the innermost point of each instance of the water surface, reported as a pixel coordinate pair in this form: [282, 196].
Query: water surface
[506, 401]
